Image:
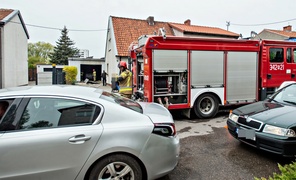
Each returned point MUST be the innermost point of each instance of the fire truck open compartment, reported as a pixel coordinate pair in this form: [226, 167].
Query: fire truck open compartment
[169, 76]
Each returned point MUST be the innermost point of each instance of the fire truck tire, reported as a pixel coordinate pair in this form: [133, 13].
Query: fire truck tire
[206, 106]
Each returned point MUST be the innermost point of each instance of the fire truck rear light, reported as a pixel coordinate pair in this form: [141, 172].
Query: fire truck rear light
[164, 129]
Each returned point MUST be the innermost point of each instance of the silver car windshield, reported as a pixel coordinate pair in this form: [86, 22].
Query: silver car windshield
[128, 103]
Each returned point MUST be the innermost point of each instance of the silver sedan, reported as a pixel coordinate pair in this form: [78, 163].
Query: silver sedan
[75, 132]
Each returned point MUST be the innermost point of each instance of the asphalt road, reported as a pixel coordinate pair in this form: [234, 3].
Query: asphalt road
[209, 152]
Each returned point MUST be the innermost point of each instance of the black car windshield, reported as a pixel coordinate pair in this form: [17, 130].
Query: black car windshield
[286, 95]
[111, 97]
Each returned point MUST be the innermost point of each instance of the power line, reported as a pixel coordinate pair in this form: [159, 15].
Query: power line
[53, 28]
[263, 24]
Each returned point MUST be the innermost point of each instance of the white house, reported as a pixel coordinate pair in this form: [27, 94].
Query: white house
[13, 49]
[285, 34]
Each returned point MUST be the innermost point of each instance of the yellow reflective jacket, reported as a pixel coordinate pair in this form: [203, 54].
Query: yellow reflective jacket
[125, 84]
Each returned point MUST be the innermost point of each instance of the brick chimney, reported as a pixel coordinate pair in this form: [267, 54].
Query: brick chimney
[187, 22]
[150, 20]
[287, 28]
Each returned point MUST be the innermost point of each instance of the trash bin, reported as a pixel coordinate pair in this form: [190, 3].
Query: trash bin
[113, 84]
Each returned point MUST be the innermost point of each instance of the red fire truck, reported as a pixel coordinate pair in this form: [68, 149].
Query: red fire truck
[202, 74]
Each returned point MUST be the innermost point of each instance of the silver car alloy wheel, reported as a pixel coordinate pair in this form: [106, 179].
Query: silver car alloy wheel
[117, 171]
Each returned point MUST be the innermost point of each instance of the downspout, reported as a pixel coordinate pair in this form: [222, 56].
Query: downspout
[118, 66]
[1, 58]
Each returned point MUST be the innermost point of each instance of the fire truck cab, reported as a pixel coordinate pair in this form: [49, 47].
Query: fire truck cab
[202, 74]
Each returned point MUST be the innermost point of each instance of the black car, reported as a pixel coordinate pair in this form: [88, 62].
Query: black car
[269, 125]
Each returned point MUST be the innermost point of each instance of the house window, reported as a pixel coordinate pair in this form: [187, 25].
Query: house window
[276, 55]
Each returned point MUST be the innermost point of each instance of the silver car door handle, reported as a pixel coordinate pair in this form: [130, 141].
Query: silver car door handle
[79, 138]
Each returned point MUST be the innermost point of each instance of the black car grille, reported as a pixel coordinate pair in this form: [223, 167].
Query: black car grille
[251, 124]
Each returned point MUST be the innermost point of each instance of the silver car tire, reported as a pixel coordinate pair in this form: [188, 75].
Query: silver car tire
[117, 166]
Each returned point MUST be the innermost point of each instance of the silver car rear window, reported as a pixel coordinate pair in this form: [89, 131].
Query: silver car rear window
[125, 102]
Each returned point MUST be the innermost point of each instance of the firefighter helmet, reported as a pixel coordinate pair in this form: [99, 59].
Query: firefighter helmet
[123, 64]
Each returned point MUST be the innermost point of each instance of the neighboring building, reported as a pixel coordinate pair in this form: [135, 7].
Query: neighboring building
[285, 34]
[44, 74]
[83, 53]
[85, 67]
[123, 31]
[187, 29]
[13, 49]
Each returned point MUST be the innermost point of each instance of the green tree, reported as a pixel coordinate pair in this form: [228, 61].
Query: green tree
[38, 53]
[64, 49]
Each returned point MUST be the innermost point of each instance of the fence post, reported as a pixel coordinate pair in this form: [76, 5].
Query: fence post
[54, 74]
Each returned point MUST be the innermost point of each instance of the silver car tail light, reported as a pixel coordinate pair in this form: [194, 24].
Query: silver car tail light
[164, 129]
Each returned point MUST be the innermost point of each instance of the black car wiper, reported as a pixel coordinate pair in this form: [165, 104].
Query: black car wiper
[274, 100]
[291, 102]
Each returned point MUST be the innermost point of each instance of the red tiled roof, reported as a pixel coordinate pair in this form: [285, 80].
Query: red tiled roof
[4, 13]
[289, 34]
[202, 29]
[129, 30]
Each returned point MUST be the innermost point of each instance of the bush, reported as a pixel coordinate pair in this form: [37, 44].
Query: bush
[288, 171]
[71, 73]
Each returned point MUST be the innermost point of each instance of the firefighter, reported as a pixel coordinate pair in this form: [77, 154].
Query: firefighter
[94, 75]
[125, 80]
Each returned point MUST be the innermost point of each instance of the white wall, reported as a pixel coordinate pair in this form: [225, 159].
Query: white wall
[111, 65]
[45, 78]
[15, 54]
[177, 33]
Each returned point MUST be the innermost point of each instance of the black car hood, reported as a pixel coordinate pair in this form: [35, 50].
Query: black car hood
[269, 112]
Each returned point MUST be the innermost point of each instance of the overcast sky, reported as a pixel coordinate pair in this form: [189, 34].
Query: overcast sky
[244, 16]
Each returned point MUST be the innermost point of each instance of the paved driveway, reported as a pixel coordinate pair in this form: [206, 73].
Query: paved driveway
[209, 152]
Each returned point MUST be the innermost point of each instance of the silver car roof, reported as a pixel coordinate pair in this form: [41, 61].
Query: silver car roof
[76, 91]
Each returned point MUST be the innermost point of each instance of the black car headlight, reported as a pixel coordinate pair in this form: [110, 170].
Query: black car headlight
[279, 131]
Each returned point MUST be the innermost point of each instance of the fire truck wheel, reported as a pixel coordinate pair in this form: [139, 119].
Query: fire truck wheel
[206, 106]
